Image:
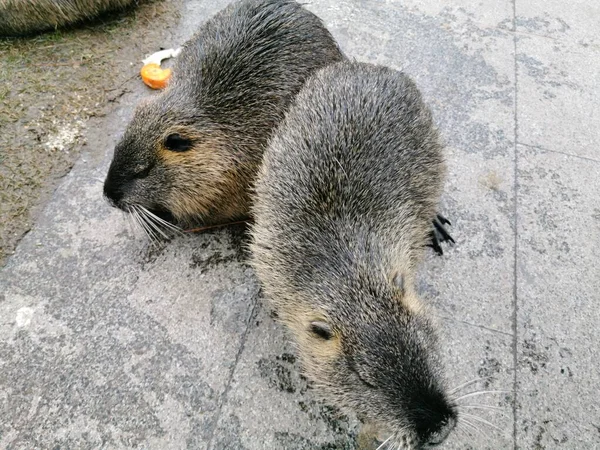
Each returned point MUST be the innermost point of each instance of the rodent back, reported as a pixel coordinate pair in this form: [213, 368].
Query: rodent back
[22, 17]
[246, 64]
[356, 156]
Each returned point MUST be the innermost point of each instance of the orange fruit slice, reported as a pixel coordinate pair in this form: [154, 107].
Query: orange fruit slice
[154, 76]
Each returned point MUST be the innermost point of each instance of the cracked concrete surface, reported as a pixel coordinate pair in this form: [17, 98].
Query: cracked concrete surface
[108, 342]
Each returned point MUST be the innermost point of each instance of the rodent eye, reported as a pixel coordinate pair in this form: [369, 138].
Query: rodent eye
[142, 171]
[322, 330]
[177, 143]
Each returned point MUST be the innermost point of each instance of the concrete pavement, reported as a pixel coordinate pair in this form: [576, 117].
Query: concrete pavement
[108, 342]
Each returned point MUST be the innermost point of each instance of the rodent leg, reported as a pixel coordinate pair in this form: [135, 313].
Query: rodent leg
[439, 234]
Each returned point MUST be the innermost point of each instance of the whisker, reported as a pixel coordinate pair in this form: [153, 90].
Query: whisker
[483, 421]
[495, 408]
[144, 223]
[473, 394]
[138, 221]
[154, 226]
[476, 428]
[466, 429]
[146, 214]
[135, 220]
[210, 227]
[501, 411]
[128, 220]
[161, 221]
[468, 383]
[473, 426]
[384, 442]
[168, 225]
[136, 228]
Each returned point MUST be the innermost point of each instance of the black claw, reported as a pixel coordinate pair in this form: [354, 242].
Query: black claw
[435, 243]
[440, 229]
[439, 234]
[443, 220]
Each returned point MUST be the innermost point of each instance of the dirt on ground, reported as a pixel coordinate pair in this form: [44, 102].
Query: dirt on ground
[52, 84]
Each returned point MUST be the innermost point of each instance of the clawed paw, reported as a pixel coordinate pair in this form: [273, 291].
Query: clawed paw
[439, 234]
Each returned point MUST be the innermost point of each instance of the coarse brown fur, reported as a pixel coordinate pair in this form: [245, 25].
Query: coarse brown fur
[344, 202]
[191, 153]
[21, 17]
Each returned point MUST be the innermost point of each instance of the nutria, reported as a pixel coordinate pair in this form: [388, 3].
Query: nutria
[344, 200]
[21, 17]
[190, 154]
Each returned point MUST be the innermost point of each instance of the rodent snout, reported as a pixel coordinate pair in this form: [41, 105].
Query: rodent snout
[431, 429]
[434, 428]
[439, 436]
[113, 191]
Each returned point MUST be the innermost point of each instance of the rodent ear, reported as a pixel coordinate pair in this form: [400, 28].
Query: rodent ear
[398, 281]
[177, 143]
[321, 329]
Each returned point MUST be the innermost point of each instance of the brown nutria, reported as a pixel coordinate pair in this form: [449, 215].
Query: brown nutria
[21, 17]
[343, 206]
[190, 154]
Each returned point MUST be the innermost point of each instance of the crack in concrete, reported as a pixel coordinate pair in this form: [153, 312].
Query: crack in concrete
[544, 149]
[516, 222]
[223, 401]
[482, 327]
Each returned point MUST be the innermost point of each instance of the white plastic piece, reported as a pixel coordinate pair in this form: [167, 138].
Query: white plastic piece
[156, 58]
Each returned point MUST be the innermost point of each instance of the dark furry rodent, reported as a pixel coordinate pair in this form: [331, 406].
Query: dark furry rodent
[21, 17]
[191, 153]
[344, 202]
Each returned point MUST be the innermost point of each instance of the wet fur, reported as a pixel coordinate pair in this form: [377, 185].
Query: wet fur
[344, 202]
[231, 86]
[21, 17]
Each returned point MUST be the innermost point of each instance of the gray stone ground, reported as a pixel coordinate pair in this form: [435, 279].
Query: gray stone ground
[106, 342]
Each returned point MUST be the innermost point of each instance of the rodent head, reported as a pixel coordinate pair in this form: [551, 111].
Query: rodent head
[377, 356]
[175, 163]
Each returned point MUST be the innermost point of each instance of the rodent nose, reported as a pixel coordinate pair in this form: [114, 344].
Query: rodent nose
[441, 433]
[434, 425]
[113, 191]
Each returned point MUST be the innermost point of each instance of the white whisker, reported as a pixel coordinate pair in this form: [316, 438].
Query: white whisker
[384, 443]
[489, 407]
[167, 224]
[146, 215]
[468, 383]
[467, 433]
[128, 220]
[472, 426]
[495, 408]
[483, 421]
[145, 226]
[155, 226]
[161, 221]
[135, 220]
[473, 394]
